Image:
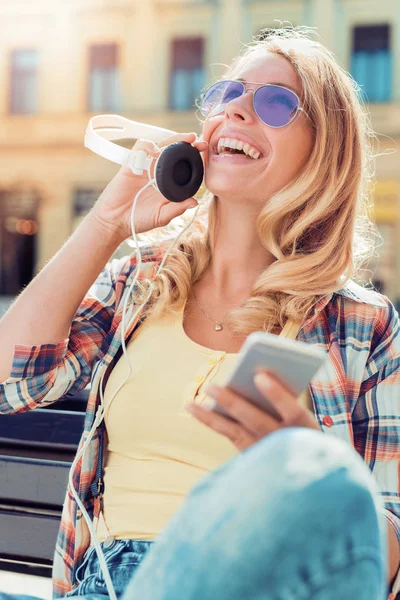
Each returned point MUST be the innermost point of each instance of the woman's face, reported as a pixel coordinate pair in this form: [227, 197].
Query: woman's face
[284, 151]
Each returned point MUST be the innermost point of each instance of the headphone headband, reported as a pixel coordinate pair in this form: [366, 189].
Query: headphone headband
[178, 170]
[103, 129]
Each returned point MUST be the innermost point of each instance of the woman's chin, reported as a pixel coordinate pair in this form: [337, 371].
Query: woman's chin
[235, 180]
[226, 188]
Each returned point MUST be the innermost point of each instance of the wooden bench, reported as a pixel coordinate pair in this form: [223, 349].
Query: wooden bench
[36, 452]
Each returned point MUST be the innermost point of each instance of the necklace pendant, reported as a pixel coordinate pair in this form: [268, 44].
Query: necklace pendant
[218, 327]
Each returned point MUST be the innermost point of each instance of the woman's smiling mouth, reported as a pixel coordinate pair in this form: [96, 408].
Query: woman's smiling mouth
[233, 146]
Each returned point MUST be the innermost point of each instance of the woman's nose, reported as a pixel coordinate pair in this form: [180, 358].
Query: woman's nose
[241, 108]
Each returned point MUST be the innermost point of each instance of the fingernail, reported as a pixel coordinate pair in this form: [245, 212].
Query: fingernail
[262, 380]
[208, 404]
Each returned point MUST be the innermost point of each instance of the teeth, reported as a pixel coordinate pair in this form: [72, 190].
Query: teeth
[254, 153]
[237, 145]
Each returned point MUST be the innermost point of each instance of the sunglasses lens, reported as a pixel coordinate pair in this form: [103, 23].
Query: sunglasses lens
[218, 95]
[276, 106]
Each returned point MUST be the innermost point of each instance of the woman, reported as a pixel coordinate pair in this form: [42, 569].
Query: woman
[285, 230]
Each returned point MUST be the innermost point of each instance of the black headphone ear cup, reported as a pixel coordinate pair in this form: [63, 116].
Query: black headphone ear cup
[179, 171]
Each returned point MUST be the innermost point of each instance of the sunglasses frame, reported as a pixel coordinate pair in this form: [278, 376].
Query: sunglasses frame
[262, 85]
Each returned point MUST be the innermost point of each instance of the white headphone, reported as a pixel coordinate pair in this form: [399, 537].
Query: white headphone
[178, 171]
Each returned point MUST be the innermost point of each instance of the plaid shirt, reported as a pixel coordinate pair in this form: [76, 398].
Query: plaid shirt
[356, 394]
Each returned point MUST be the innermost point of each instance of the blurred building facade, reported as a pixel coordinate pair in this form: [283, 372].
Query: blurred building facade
[63, 62]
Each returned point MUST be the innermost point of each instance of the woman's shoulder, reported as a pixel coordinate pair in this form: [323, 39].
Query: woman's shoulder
[360, 310]
[151, 257]
[354, 292]
[356, 323]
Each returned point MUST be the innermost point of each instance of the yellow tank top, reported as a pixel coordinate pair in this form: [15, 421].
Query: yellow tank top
[156, 450]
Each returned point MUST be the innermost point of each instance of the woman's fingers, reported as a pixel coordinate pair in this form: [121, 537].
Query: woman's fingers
[253, 418]
[284, 401]
[146, 145]
[179, 137]
[190, 138]
[201, 146]
[154, 150]
[171, 210]
[240, 436]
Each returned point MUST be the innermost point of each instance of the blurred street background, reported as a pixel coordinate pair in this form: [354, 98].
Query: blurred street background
[63, 62]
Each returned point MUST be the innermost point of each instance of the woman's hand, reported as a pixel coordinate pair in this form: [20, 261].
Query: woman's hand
[113, 209]
[253, 423]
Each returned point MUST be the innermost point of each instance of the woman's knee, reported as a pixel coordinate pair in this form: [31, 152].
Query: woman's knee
[300, 499]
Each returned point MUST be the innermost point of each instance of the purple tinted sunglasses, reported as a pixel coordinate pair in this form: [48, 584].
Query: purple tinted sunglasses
[275, 105]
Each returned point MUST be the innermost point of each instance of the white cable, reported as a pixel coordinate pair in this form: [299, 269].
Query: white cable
[102, 407]
[100, 555]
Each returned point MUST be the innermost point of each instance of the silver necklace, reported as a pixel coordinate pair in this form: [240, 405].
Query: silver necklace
[218, 324]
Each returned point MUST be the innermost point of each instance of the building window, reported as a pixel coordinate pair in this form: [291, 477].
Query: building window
[187, 75]
[104, 78]
[18, 237]
[371, 61]
[24, 82]
[84, 200]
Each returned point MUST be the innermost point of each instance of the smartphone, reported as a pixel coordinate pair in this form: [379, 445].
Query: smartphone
[295, 363]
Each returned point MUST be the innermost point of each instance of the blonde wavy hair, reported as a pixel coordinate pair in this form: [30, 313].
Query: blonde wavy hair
[317, 227]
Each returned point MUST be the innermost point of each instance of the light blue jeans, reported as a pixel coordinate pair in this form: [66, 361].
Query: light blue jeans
[297, 516]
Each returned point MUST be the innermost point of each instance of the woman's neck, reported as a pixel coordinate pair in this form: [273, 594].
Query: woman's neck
[238, 256]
